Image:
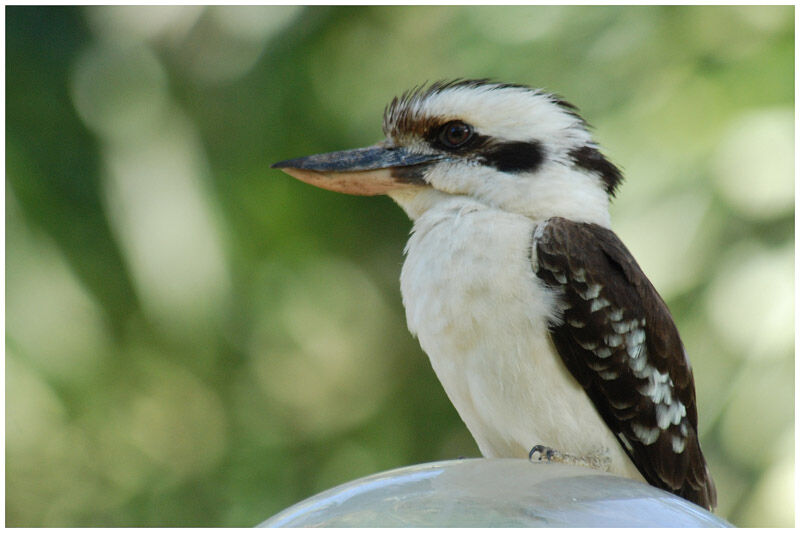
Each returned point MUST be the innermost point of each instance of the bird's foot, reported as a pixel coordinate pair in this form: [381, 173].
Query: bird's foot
[542, 454]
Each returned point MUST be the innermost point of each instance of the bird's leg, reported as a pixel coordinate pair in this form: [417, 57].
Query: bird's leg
[597, 461]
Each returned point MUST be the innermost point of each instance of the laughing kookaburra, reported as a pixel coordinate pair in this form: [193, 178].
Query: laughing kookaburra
[544, 331]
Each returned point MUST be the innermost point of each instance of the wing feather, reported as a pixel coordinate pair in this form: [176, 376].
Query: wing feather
[617, 338]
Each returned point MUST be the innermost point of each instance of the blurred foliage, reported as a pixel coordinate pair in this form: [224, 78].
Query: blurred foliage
[195, 339]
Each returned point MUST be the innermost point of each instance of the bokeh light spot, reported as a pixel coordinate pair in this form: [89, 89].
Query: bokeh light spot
[750, 301]
[754, 165]
[317, 349]
[176, 420]
[119, 92]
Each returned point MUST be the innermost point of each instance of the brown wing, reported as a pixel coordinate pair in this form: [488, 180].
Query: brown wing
[618, 340]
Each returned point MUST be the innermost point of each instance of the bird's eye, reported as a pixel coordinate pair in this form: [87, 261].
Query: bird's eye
[455, 134]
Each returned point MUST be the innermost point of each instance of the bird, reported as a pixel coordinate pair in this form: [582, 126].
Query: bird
[545, 333]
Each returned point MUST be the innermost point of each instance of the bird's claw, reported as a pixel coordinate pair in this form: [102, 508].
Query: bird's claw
[544, 453]
[599, 460]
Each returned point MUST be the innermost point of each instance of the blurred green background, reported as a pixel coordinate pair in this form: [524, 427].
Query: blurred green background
[195, 339]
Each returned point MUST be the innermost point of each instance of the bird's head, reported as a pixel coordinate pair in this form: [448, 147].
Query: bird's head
[507, 146]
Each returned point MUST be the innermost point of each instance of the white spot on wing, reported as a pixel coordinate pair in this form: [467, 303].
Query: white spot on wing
[598, 303]
[597, 366]
[669, 414]
[636, 336]
[645, 435]
[587, 345]
[549, 266]
[678, 444]
[658, 387]
[603, 352]
[638, 365]
[613, 340]
[636, 352]
[608, 374]
[623, 327]
[620, 405]
[592, 292]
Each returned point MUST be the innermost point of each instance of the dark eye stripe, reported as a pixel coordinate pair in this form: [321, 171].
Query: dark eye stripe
[514, 156]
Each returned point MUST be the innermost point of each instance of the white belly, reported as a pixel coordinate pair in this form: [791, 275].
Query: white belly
[480, 314]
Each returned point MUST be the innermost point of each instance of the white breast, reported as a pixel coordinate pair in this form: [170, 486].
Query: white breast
[481, 315]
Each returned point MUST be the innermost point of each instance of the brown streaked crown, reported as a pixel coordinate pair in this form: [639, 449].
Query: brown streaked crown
[400, 117]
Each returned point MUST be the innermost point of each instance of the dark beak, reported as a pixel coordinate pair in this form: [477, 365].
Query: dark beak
[366, 171]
